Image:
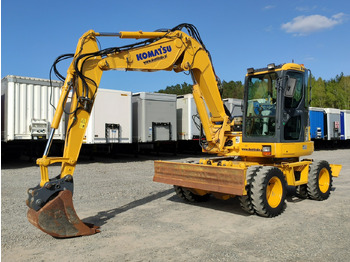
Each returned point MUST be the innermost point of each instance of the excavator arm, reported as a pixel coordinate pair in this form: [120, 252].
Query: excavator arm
[50, 203]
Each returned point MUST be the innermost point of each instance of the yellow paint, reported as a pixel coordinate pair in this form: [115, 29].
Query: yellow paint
[335, 169]
[186, 55]
[274, 192]
[324, 180]
[82, 123]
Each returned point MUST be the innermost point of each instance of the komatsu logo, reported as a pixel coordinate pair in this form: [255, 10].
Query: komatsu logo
[154, 53]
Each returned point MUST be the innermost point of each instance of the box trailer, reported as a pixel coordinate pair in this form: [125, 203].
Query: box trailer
[110, 119]
[187, 110]
[332, 121]
[154, 117]
[234, 106]
[345, 124]
[317, 124]
[27, 108]
[188, 124]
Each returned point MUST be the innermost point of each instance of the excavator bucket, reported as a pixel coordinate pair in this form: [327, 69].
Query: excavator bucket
[59, 219]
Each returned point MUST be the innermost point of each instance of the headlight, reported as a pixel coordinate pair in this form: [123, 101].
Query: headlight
[266, 150]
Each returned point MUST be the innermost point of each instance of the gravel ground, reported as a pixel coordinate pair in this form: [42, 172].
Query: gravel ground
[145, 221]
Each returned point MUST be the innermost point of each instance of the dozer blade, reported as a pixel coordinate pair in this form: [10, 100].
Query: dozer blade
[59, 219]
[227, 180]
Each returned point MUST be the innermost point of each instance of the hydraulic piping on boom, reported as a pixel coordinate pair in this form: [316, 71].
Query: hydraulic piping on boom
[50, 202]
[255, 164]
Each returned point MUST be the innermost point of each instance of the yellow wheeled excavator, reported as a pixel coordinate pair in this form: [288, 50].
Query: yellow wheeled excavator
[255, 164]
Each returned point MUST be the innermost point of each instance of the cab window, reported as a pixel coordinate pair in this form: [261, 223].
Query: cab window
[293, 102]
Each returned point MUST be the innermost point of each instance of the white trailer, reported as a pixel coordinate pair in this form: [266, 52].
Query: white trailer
[186, 112]
[26, 110]
[345, 124]
[234, 106]
[332, 131]
[111, 118]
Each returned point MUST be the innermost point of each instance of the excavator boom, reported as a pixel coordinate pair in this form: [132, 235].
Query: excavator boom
[50, 202]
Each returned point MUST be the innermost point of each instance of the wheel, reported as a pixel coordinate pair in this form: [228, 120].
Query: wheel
[246, 201]
[268, 192]
[179, 192]
[320, 180]
[189, 196]
[301, 191]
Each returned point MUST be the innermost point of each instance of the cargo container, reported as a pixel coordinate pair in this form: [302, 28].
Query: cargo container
[188, 122]
[234, 106]
[27, 108]
[111, 118]
[317, 124]
[345, 124]
[187, 112]
[154, 117]
[332, 121]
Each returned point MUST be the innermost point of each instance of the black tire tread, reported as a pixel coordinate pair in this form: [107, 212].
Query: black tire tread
[189, 196]
[313, 181]
[301, 191]
[246, 201]
[258, 192]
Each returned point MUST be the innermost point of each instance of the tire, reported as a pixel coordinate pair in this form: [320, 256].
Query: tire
[268, 192]
[189, 196]
[319, 181]
[246, 201]
[301, 191]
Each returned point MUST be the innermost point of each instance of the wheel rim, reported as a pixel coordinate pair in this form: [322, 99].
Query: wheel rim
[324, 180]
[274, 192]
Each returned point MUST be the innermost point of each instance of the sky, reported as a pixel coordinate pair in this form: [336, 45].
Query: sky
[239, 34]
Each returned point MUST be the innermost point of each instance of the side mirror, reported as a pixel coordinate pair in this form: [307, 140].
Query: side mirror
[290, 88]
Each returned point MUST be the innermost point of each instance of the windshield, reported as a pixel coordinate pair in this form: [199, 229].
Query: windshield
[261, 105]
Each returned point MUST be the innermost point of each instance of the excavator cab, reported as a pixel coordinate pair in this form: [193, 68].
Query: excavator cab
[276, 104]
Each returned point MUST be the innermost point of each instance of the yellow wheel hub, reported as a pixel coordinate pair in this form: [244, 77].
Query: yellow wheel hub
[274, 192]
[324, 180]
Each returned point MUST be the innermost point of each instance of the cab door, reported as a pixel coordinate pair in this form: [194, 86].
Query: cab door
[295, 111]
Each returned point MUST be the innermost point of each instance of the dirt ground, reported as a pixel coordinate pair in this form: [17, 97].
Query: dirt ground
[142, 220]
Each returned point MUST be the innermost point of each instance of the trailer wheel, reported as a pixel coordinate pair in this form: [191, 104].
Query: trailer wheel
[320, 180]
[246, 201]
[189, 196]
[268, 192]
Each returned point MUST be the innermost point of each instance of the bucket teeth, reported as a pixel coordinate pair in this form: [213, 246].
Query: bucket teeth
[59, 219]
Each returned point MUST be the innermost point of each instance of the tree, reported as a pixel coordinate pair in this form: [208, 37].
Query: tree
[232, 89]
[333, 93]
[229, 89]
[177, 89]
[345, 87]
[318, 92]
